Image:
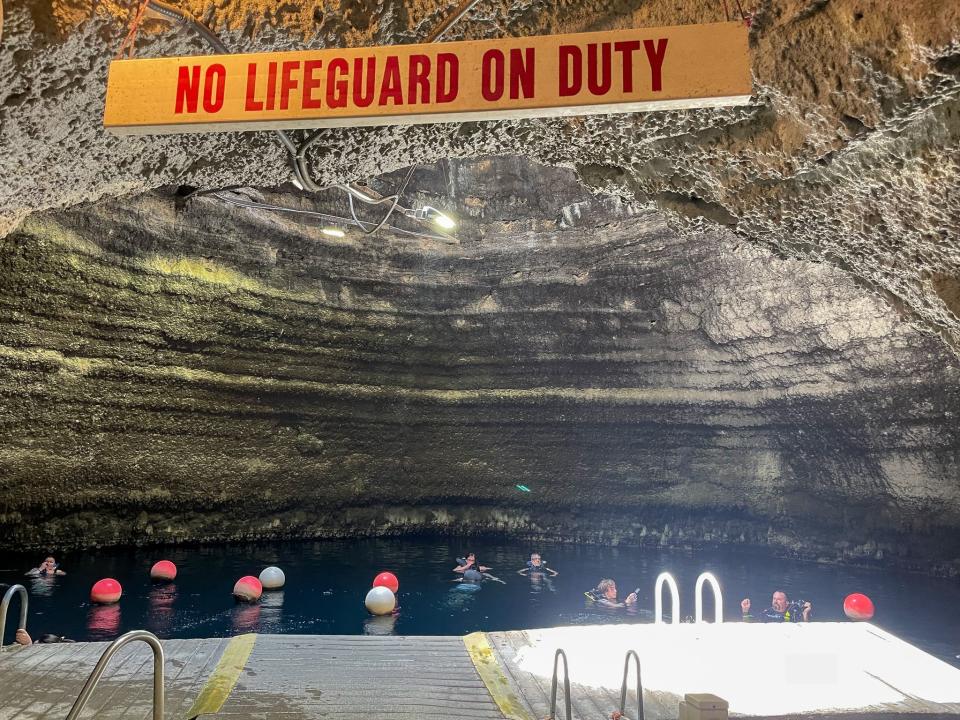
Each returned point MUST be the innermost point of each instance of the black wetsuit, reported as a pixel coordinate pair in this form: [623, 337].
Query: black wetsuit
[793, 613]
[535, 569]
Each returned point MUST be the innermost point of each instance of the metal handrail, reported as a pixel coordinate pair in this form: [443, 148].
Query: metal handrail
[667, 578]
[5, 605]
[150, 639]
[553, 686]
[623, 686]
[706, 577]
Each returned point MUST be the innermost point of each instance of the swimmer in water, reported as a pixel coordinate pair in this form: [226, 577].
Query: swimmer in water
[536, 565]
[48, 567]
[605, 595]
[468, 563]
[780, 610]
[476, 571]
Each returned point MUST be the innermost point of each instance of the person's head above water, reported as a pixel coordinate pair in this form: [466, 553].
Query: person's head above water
[607, 589]
[780, 601]
[535, 559]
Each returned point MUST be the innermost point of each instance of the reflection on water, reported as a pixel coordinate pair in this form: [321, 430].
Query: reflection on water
[463, 595]
[540, 583]
[245, 618]
[380, 625]
[271, 615]
[103, 622]
[161, 611]
[42, 585]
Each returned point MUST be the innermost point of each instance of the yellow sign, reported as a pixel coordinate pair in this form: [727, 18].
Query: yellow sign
[586, 73]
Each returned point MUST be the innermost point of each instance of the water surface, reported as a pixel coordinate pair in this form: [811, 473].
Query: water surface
[327, 581]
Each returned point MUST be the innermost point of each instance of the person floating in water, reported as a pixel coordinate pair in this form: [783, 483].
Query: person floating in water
[605, 595]
[473, 572]
[48, 567]
[469, 563]
[536, 565]
[780, 610]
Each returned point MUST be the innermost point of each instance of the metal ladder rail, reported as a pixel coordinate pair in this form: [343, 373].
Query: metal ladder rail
[667, 578]
[623, 686]
[5, 605]
[101, 665]
[709, 578]
[553, 686]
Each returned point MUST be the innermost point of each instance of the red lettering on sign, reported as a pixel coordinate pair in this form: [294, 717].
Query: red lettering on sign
[419, 77]
[287, 81]
[522, 72]
[599, 83]
[310, 83]
[448, 77]
[188, 89]
[271, 85]
[390, 88]
[491, 75]
[571, 72]
[655, 56]
[627, 48]
[337, 88]
[360, 99]
[252, 104]
[215, 83]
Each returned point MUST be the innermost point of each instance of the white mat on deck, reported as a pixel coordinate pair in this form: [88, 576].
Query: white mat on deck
[771, 669]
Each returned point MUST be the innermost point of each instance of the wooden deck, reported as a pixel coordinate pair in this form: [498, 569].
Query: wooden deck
[284, 677]
[844, 671]
[329, 676]
[42, 681]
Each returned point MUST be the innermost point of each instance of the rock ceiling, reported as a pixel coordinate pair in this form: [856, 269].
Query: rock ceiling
[848, 154]
[733, 325]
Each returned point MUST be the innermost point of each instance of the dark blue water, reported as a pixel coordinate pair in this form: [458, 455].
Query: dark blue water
[327, 582]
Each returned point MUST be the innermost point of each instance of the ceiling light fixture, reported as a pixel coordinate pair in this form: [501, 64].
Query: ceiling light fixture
[444, 221]
[428, 212]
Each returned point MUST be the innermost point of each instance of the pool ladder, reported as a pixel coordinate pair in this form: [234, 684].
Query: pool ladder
[631, 654]
[663, 578]
[5, 605]
[150, 639]
[132, 636]
[705, 578]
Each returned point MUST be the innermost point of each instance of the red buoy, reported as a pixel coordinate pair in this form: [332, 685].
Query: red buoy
[248, 588]
[105, 591]
[858, 606]
[387, 580]
[163, 570]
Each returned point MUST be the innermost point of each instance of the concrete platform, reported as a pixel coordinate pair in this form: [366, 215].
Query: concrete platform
[822, 670]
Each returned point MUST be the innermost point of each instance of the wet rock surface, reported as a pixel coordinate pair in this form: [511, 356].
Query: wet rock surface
[183, 370]
[848, 155]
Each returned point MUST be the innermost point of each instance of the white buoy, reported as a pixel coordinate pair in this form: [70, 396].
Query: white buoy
[380, 600]
[272, 578]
